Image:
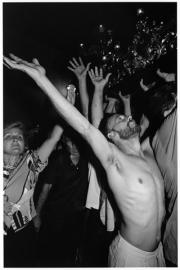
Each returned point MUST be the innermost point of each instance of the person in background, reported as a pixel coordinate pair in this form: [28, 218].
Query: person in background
[20, 170]
[164, 144]
[60, 205]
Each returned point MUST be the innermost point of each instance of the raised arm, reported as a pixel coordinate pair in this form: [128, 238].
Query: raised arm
[73, 117]
[168, 77]
[127, 103]
[79, 69]
[97, 102]
[110, 104]
[48, 146]
[40, 203]
[146, 87]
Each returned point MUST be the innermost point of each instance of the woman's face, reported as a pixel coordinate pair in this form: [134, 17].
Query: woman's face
[13, 142]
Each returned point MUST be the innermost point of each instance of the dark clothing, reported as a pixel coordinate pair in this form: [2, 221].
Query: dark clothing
[23, 255]
[64, 209]
[69, 184]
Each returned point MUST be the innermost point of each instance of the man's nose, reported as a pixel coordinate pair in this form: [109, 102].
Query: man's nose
[131, 123]
[15, 139]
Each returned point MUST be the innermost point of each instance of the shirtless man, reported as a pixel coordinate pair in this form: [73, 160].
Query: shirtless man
[138, 193]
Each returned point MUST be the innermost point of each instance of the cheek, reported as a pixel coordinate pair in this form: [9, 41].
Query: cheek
[6, 145]
[22, 145]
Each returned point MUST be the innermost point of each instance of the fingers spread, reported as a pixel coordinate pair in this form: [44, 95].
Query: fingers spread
[91, 73]
[81, 62]
[75, 61]
[107, 76]
[9, 63]
[73, 64]
[70, 68]
[87, 67]
[96, 72]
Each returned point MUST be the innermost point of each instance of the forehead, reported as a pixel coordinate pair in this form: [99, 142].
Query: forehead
[14, 130]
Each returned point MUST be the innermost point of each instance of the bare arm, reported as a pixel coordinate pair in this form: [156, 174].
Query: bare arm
[73, 117]
[48, 146]
[110, 105]
[43, 197]
[80, 71]
[41, 201]
[97, 102]
[146, 87]
[144, 123]
[168, 77]
[127, 103]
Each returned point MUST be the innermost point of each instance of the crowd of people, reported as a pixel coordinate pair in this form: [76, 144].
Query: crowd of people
[107, 182]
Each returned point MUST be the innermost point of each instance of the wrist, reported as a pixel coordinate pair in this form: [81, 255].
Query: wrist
[82, 80]
[98, 88]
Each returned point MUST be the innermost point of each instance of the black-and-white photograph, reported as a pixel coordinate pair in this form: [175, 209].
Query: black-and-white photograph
[90, 134]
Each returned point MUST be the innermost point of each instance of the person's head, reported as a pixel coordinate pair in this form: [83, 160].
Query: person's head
[118, 126]
[71, 146]
[14, 139]
[158, 103]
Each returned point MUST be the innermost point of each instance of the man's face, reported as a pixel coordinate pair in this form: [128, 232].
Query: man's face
[13, 142]
[71, 147]
[125, 126]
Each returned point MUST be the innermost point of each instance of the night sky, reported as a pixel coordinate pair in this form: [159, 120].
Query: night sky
[52, 33]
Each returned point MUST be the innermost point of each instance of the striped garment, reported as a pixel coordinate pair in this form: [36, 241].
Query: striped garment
[19, 187]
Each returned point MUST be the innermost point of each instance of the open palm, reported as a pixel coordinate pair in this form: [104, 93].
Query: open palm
[34, 69]
[97, 77]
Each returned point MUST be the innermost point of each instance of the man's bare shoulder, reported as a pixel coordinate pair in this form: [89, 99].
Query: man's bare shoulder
[116, 157]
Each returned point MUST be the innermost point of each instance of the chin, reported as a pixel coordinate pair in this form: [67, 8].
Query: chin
[16, 152]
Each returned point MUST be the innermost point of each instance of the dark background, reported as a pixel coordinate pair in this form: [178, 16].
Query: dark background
[52, 32]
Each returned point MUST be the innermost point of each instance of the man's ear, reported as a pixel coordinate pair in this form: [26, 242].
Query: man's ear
[111, 134]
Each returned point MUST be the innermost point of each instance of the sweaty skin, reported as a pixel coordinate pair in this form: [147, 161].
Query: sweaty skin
[138, 190]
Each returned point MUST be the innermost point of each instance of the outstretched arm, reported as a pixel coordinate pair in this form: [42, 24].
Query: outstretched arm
[79, 69]
[73, 117]
[97, 102]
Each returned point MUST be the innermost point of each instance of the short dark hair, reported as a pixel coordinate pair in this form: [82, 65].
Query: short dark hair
[157, 101]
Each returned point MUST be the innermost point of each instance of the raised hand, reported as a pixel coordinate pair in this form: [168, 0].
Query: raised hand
[78, 68]
[124, 98]
[97, 77]
[34, 69]
[127, 103]
[146, 87]
[168, 77]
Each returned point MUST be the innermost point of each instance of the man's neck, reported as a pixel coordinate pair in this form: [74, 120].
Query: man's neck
[130, 147]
